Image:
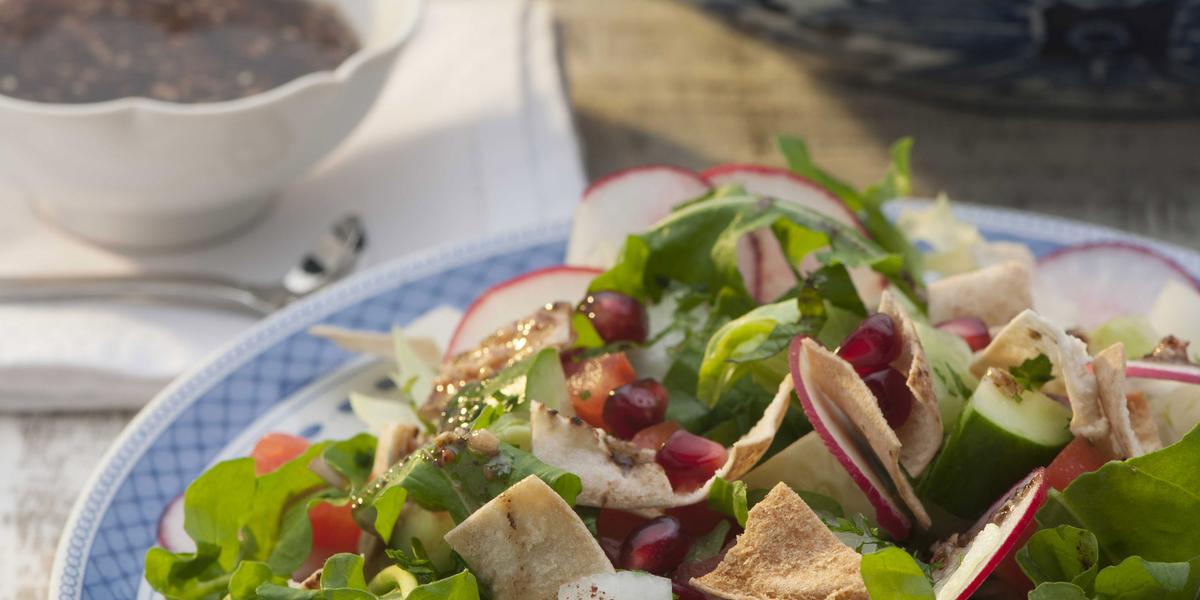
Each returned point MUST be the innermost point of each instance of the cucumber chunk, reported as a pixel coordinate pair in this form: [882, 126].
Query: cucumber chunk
[950, 361]
[1003, 434]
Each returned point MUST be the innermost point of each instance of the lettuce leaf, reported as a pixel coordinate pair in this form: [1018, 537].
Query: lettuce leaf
[1064, 553]
[342, 578]
[893, 574]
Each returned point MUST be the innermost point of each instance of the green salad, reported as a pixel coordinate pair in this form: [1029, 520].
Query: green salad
[746, 383]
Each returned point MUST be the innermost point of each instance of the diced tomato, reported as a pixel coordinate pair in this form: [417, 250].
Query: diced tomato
[334, 527]
[275, 449]
[1077, 458]
[590, 385]
[654, 436]
[613, 526]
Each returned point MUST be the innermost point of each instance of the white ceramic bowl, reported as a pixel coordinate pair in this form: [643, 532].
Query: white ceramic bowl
[138, 172]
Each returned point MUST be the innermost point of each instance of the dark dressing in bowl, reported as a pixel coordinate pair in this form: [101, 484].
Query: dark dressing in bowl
[184, 51]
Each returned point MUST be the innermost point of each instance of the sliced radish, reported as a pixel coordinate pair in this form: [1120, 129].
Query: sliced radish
[770, 274]
[1147, 369]
[973, 556]
[508, 301]
[846, 445]
[624, 203]
[171, 534]
[1087, 284]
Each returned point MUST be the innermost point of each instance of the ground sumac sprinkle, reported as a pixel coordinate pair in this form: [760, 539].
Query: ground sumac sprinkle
[187, 51]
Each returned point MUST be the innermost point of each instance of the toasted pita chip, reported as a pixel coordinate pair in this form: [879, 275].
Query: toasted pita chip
[921, 435]
[618, 474]
[1127, 438]
[994, 294]
[526, 543]
[785, 552]
[839, 383]
[1028, 335]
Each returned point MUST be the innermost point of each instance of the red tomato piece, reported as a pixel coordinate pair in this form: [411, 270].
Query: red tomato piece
[1079, 457]
[275, 449]
[334, 527]
[590, 385]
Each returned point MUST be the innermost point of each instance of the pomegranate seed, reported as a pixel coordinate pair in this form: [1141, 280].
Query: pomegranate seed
[658, 546]
[634, 407]
[891, 392]
[591, 384]
[689, 460]
[873, 345]
[970, 329]
[617, 317]
[653, 437]
[683, 592]
[613, 528]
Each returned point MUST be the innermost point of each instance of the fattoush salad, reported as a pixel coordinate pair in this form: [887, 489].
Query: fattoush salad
[746, 383]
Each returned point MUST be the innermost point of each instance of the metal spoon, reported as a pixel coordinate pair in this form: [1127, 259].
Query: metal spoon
[331, 258]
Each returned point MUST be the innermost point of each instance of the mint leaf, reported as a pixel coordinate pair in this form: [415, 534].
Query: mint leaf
[1064, 553]
[893, 574]
[1033, 373]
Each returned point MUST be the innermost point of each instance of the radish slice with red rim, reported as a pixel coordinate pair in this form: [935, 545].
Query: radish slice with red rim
[1087, 284]
[973, 556]
[1148, 369]
[625, 203]
[171, 534]
[765, 268]
[845, 444]
[510, 300]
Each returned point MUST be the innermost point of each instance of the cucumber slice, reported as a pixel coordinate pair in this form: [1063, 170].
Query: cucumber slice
[1002, 435]
[950, 361]
[1135, 332]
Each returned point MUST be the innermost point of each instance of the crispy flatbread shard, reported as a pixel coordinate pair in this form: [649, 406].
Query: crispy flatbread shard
[1028, 335]
[995, 294]
[526, 543]
[921, 435]
[841, 385]
[785, 552]
[1132, 431]
[618, 474]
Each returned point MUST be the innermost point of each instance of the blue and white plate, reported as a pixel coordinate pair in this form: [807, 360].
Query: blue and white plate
[278, 378]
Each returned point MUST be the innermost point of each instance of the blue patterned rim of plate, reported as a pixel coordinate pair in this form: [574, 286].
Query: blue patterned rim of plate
[196, 419]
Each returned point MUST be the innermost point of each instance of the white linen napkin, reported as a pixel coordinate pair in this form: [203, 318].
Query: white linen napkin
[471, 136]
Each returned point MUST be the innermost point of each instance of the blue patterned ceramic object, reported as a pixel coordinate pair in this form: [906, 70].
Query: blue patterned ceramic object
[278, 378]
[1073, 55]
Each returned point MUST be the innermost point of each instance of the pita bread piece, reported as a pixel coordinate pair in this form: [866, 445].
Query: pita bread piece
[994, 294]
[1132, 431]
[618, 474]
[921, 435]
[526, 543]
[1030, 334]
[836, 381]
[785, 552]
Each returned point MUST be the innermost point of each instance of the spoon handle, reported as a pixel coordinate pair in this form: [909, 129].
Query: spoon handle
[193, 290]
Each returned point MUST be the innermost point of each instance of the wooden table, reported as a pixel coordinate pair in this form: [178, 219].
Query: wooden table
[655, 81]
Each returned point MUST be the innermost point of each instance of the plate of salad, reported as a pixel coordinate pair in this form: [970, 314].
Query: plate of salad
[748, 382]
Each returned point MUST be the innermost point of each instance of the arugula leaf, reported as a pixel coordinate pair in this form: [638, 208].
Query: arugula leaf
[1033, 373]
[1058, 590]
[467, 481]
[893, 574]
[343, 571]
[1136, 578]
[1147, 506]
[868, 205]
[224, 490]
[388, 506]
[1065, 553]
[352, 458]
[462, 586]
[248, 576]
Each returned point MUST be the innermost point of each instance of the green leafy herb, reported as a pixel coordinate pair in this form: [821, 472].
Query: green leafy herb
[1064, 553]
[1058, 591]
[729, 498]
[462, 586]
[352, 458]
[893, 574]
[1033, 373]
[709, 544]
